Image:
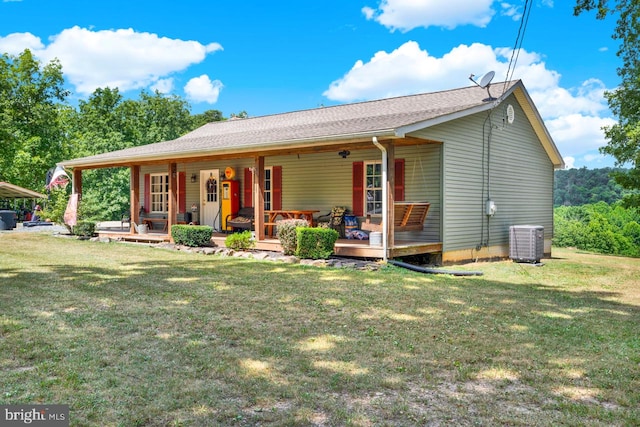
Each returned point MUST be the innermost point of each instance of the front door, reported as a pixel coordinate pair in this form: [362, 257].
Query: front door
[210, 205]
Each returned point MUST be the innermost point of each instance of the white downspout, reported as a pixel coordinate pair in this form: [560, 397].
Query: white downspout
[385, 200]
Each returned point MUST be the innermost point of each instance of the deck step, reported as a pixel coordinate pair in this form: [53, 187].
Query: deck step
[142, 239]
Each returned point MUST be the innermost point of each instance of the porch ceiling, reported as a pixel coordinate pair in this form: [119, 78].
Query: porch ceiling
[11, 191]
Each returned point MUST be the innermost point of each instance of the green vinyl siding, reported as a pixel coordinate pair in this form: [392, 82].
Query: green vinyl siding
[520, 176]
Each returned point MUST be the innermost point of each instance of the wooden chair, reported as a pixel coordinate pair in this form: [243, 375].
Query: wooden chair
[408, 216]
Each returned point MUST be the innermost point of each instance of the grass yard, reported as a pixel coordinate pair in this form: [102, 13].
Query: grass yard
[129, 335]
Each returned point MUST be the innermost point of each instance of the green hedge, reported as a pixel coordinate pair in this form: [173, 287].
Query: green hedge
[192, 235]
[315, 243]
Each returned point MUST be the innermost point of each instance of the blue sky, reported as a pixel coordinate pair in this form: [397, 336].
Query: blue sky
[272, 57]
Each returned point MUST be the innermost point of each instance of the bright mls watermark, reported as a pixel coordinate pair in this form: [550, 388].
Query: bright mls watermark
[34, 415]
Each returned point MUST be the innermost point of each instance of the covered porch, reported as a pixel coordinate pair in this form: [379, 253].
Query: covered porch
[309, 178]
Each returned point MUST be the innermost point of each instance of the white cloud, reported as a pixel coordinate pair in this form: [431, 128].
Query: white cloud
[163, 85]
[511, 10]
[569, 162]
[576, 133]
[15, 43]
[405, 15]
[120, 58]
[574, 116]
[408, 69]
[368, 12]
[202, 89]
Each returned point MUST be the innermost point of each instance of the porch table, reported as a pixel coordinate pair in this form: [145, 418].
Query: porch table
[287, 214]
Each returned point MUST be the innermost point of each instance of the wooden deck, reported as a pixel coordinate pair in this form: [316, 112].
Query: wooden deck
[343, 247]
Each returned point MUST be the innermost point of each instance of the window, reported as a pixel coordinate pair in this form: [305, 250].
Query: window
[159, 193]
[268, 188]
[373, 193]
[272, 190]
[212, 189]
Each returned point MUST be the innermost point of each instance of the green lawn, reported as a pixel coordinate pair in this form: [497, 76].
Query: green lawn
[129, 335]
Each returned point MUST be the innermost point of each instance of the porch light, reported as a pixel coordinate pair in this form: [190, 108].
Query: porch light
[194, 177]
[344, 153]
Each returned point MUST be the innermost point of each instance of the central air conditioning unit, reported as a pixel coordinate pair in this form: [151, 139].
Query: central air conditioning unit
[526, 243]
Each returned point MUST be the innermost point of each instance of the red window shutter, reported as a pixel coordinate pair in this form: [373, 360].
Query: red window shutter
[276, 189]
[247, 188]
[398, 191]
[358, 188]
[147, 193]
[182, 192]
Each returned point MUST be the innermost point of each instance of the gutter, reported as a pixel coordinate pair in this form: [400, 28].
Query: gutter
[385, 200]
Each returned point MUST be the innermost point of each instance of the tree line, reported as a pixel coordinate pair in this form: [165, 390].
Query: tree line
[576, 187]
[39, 128]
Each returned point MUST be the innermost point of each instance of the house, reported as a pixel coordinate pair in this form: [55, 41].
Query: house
[482, 163]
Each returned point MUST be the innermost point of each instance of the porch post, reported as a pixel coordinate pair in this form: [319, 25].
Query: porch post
[134, 198]
[173, 198]
[77, 182]
[258, 197]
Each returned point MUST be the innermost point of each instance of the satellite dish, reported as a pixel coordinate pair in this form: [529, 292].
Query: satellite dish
[486, 79]
[511, 114]
[485, 82]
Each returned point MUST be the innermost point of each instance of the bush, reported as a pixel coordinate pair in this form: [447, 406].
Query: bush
[240, 241]
[192, 235]
[85, 228]
[315, 243]
[55, 207]
[599, 228]
[287, 234]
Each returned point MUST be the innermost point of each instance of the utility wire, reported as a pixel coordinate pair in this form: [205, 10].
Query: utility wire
[524, 20]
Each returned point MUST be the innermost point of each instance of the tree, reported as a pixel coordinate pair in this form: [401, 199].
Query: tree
[624, 137]
[207, 117]
[108, 122]
[574, 187]
[33, 117]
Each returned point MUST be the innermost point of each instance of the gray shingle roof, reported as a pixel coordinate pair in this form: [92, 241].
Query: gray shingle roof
[384, 117]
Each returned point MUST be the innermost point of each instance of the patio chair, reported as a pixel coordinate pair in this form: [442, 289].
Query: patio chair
[241, 220]
[334, 219]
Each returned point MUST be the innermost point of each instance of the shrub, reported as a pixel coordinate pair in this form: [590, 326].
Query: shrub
[55, 207]
[315, 243]
[192, 235]
[84, 228]
[599, 228]
[240, 241]
[287, 234]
